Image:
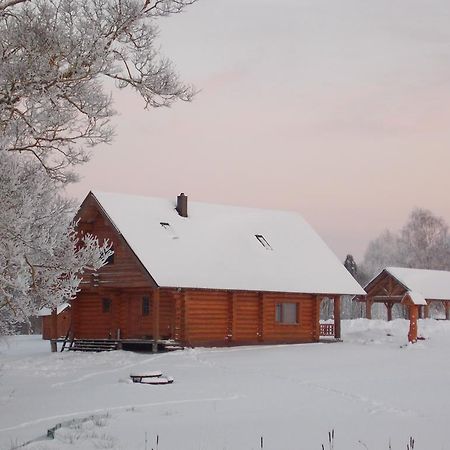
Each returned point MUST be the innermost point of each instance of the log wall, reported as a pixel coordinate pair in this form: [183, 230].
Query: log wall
[196, 317]
[208, 317]
[125, 319]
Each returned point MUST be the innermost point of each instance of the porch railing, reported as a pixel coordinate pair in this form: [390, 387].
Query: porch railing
[327, 329]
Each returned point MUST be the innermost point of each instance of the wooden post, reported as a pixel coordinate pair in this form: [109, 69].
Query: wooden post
[368, 308]
[232, 315]
[155, 313]
[337, 317]
[186, 317]
[316, 332]
[177, 325]
[447, 309]
[413, 313]
[235, 315]
[261, 317]
[54, 332]
[389, 311]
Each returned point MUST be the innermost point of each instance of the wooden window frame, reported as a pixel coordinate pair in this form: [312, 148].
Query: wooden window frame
[106, 305]
[145, 305]
[263, 241]
[279, 306]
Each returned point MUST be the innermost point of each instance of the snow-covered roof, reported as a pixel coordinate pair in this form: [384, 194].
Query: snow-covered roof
[48, 311]
[431, 284]
[415, 297]
[227, 247]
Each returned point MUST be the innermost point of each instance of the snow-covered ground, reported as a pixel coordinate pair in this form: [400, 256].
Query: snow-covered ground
[371, 389]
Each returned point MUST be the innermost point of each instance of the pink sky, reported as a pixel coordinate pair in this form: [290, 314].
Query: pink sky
[338, 110]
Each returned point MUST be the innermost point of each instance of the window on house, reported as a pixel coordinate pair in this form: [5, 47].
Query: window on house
[110, 259]
[262, 240]
[169, 229]
[145, 306]
[286, 313]
[106, 305]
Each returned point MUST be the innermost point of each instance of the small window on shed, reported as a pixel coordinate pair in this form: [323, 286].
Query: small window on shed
[110, 259]
[286, 313]
[106, 305]
[145, 306]
[263, 241]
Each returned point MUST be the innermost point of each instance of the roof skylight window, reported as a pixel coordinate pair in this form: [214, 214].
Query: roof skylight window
[262, 240]
[169, 229]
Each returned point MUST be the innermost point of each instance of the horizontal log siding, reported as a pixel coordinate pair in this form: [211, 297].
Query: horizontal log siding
[197, 317]
[126, 271]
[247, 322]
[126, 314]
[89, 320]
[206, 317]
[223, 318]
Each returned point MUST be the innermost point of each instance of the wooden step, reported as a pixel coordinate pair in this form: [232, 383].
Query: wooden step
[92, 345]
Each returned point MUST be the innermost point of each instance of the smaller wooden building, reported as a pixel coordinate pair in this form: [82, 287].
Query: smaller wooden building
[63, 321]
[416, 289]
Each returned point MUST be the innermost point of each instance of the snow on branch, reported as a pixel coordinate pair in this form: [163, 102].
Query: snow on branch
[54, 58]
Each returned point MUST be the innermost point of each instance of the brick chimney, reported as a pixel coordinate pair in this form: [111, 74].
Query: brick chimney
[182, 205]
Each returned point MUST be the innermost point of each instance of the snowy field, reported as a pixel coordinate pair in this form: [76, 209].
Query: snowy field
[371, 389]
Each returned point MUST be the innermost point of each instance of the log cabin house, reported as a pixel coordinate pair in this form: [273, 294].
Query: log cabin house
[415, 289]
[205, 274]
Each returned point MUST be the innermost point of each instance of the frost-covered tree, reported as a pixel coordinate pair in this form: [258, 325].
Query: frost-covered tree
[41, 256]
[383, 251]
[55, 56]
[423, 243]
